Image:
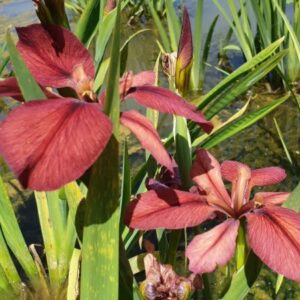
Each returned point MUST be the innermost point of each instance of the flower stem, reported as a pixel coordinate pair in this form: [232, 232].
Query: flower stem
[241, 247]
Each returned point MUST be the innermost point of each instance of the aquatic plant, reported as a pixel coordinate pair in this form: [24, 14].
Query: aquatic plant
[77, 130]
[64, 132]
[268, 225]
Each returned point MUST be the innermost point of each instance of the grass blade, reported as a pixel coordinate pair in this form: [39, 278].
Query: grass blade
[257, 59]
[160, 27]
[286, 151]
[240, 124]
[173, 24]
[13, 235]
[88, 21]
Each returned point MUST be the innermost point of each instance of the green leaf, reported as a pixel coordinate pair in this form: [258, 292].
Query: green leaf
[8, 265]
[173, 24]
[243, 280]
[126, 185]
[100, 247]
[240, 124]
[197, 37]
[293, 200]
[160, 27]
[286, 151]
[48, 234]
[13, 235]
[88, 21]
[248, 66]
[73, 277]
[243, 85]
[30, 89]
[183, 155]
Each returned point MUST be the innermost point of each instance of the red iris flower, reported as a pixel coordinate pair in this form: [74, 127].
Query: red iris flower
[273, 232]
[48, 143]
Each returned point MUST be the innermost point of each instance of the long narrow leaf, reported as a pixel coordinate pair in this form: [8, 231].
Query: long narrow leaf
[30, 89]
[100, 248]
[13, 235]
[241, 124]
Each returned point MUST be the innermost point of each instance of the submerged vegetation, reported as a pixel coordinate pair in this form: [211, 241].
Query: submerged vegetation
[164, 220]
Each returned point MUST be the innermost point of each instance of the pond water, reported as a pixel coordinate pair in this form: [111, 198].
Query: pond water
[257, 146]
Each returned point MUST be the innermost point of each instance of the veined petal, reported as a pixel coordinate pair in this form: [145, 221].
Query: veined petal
[274, 236]
[142, 128]
[165, 101]
[9, 88]
[143, 78]
[213, 248]
[55, 56]
[206, 174]
[267, 176]
[230, 169]
[167, 208]
[274, 198]
[240, 176]
[49, 143]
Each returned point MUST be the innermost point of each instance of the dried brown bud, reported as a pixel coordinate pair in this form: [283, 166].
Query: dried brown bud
[163, 283]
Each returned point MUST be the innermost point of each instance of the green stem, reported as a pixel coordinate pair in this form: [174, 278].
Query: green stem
[241, 247]
[175, 236]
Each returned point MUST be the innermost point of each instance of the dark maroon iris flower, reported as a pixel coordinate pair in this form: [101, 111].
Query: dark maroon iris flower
[48, 143]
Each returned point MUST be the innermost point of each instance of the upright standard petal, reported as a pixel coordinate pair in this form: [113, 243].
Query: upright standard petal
[55, 56]
[49, 143]
[165, 101]
[167, 208]
[206, 174]
[144, 131]
[240, 176]
[274, 236]
[213, 248]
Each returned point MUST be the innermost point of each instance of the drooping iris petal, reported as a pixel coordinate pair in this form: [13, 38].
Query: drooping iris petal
[167, 208]
[267, 176]
[274, 198]
[9, 88]
[206, 173]
[55, 56]
[213, 248]
[274, 236]
[144, 131]
[51, 142]
[165, 101]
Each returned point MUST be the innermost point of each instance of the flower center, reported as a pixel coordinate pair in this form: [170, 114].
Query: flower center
[83, 84]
